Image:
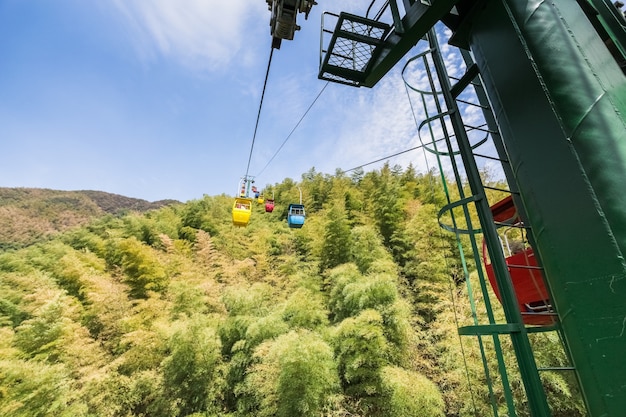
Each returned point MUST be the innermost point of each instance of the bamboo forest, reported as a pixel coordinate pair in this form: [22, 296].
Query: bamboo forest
[174, 311]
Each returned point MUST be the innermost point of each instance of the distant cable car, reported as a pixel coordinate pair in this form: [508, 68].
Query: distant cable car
[260, 199]
[242, 209]
[269, 205]
[295, 216]
[526, 276]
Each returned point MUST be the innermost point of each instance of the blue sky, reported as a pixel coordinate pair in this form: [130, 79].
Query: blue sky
[158, 99]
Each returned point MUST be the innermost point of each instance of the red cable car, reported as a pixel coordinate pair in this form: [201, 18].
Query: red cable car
[269, 205]
[526, 276]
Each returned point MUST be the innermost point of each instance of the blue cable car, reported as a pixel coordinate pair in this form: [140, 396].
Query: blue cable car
[295, 216]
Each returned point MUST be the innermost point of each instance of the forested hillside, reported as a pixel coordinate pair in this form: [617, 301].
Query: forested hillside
[30, 214]
[175, 312]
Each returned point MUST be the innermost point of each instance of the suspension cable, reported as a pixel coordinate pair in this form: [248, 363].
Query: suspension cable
[258, 116]
[294, 129]
[392, 155]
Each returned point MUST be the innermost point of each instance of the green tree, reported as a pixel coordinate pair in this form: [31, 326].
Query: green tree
[429, 189]
[250, 322]
[361, 350]
[337, 245]
[41, 337]
[190, 371]
[338, 279]
[434, 264]
[142, 269]
[357, 175]
[83, 238]
[367, 247]
[353, 201]
[318, 188]
[387, 204]
[305, 309]
[352, 292]
[208, 214]
[36, 389]
[111, 395]
[409, 394]
[295, 376]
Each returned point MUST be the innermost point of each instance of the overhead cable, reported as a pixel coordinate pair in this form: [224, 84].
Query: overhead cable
[294, 129]
[256, 126]
[391, 156]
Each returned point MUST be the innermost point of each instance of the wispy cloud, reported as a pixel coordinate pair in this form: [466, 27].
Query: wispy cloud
[200, 34]
[377, 123]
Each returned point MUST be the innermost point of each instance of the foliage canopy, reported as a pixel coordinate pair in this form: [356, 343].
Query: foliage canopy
[175, 312]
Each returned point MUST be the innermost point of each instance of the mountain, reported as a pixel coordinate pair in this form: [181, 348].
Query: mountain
[28, 215]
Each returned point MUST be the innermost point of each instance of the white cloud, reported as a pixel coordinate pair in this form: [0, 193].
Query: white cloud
[201, 34]
[380, 121]
[349, 126]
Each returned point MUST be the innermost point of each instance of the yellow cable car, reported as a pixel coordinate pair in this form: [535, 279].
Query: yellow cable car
[261, 199]
[242, 209]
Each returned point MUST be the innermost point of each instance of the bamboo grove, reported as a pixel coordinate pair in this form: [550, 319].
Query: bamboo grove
[175, 312]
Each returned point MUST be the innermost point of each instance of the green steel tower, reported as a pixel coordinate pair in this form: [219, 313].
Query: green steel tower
[553, 73]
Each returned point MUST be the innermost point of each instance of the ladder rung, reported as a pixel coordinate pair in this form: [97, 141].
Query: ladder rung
[493, 158]
[489, 329]
[543, 328]
[542, 313]
[496, 189]
[469, 103]
[518, 226]
[464, 81]
[469, 128]
[525, 266]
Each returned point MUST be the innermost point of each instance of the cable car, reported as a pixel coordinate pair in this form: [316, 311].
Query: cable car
[242, 209]
[269, 205]
[526, 276]
[260, 199]
[295, 216]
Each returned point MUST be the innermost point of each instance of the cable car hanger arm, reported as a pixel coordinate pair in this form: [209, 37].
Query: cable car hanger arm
[283, 22]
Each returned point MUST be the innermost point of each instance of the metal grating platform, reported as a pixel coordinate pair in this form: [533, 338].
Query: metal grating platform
[355, 43]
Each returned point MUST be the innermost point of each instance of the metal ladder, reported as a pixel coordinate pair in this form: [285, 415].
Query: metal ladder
[448, 117]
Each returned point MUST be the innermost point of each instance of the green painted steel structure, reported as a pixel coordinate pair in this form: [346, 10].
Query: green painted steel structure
[551, 72]
[518, 333]
[559, 98]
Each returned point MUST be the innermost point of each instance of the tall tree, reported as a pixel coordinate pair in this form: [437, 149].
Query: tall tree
[190, 369]
[386, 210]
[295, 375]
[337, 239]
